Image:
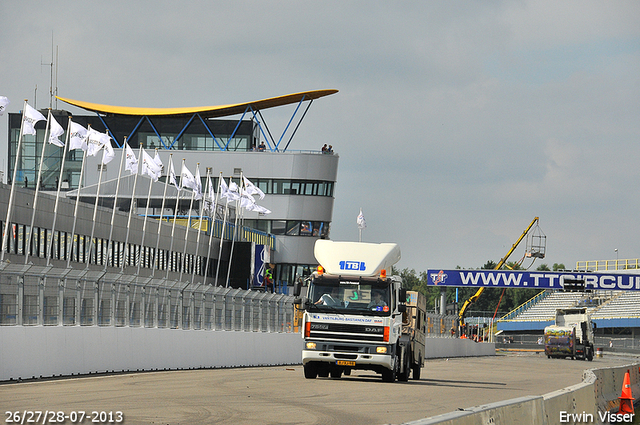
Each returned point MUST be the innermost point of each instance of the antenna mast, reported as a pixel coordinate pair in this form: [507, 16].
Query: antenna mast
[52, 93]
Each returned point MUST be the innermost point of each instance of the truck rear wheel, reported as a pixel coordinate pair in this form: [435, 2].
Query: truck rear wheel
[310, 371]
[406, 370]
[417, 368]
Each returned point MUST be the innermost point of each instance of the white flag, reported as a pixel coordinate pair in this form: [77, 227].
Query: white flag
[225, 192]
[172, 176]
[78, 136]
[131, 162]
[361, 221]
[56, 131]
[3, 104]
[108, 153]
[187, 179]
[31, 117]
[158, 162]
[209, 204]
[198, 184]
[149, 166]
[232, 191]
[252, 189]
[247, 201]
[260, 209]
[95, 142]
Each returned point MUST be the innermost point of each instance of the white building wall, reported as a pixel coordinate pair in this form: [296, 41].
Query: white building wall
[267, 165]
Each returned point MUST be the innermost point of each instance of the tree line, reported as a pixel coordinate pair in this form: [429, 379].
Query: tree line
[491, 300]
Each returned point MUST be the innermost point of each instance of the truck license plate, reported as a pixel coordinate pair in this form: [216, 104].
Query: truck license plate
[345, 363]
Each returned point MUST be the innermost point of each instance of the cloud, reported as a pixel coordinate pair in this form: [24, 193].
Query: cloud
[456, 123]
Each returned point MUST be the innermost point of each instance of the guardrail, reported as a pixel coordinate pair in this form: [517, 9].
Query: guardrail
[524, 306]
[49, 296]
[587, 402]
[595, 265]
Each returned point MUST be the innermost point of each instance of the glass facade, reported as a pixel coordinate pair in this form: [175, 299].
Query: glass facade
[160, 132]
[187, 133]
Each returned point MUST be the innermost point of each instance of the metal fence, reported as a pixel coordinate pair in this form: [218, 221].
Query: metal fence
[49, 296]
[614, 342]
[439, 325]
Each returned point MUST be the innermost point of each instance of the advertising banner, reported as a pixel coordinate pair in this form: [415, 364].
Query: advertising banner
[534, 279]
[260, 265]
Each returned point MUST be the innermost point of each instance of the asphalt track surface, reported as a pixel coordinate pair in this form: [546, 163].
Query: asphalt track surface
[281, 395]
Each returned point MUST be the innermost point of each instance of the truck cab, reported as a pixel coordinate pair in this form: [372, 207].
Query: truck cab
[353, 314]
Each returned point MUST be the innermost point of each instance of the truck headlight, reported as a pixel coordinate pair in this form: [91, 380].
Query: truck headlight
[311, 345]
[381, 350]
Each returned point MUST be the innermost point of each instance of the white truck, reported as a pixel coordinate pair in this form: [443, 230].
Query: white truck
[571, 336]
[356, 317]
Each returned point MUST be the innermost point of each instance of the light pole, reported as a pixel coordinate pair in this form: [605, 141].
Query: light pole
[616, 250]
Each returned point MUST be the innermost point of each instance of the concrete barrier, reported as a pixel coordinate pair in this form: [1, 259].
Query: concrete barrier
[437, 348]
[44, 351]
[580, 403]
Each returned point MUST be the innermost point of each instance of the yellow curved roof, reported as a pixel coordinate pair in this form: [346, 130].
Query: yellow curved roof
[205, 111]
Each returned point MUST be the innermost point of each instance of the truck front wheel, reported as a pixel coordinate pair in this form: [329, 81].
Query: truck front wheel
[310, 371]
[389, 375]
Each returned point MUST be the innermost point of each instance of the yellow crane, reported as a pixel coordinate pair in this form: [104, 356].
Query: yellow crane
[536, 250]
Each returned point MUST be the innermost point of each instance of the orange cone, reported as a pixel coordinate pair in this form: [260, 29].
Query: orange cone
[626, 399]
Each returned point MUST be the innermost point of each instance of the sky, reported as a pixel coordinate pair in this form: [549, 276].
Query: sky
[456, 122]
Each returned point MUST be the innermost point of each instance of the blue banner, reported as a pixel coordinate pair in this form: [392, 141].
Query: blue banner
[260, 264]
[536, 279]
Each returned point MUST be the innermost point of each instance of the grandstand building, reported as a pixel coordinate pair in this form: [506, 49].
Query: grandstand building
[616, 314]
[298, 188]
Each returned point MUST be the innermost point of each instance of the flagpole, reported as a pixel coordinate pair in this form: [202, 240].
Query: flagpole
[164, 195]
[175, 217]
[5, 236]
[35, 196]
[193, 273]
[213, 223]
[55, 208]
[75, 211]
[115, 204]
[235, 231]
[133, 197]
[95, 210]
[144, 225]
[224, 225]
[186, 235]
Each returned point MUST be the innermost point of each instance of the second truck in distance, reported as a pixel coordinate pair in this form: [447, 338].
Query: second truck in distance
[571, 336]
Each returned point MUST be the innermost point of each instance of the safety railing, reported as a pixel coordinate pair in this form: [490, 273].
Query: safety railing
[48, 296]
[596, 265]
[439, 325]
[524, 306]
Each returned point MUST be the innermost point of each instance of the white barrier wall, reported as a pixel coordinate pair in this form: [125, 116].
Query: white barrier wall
[436, 348]
[44, 351]
[598, 392]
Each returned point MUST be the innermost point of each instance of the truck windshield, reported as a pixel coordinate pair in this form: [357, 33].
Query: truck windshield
[350, 297]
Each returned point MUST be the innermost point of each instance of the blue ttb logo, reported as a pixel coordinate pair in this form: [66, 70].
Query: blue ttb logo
[352, 265]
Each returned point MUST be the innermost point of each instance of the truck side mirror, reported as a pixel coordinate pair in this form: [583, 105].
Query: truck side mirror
[296, 289]
[402, 308]
[301, 303]
[402, 295]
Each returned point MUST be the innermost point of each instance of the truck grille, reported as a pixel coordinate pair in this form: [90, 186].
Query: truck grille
[340, 331]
